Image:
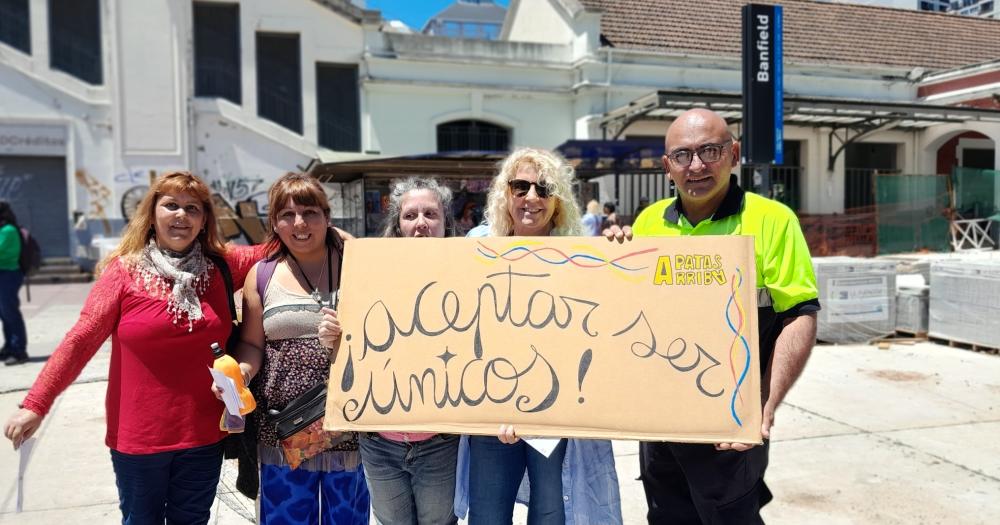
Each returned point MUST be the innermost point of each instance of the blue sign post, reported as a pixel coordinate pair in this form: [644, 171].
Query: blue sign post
[763, 101]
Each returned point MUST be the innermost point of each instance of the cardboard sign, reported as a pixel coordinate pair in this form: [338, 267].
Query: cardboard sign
[654, 339]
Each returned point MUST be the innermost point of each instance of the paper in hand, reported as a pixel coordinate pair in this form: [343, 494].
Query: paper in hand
[229, 395]
[25, 451]
[544, 446]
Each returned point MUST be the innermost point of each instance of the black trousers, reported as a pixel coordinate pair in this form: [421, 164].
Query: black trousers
[695, 484]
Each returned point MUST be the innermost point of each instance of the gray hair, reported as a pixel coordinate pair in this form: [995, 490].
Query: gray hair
[400, 188]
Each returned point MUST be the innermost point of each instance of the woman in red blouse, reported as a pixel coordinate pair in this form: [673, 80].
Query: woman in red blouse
[162, 299]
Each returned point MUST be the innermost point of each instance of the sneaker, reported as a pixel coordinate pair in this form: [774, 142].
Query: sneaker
[4, 353]
[15, 360]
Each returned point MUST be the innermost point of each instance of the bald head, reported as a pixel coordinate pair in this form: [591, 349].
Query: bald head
[697, 122]
[700, 154]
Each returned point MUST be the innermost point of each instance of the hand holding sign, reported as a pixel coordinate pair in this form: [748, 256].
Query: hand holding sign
[329, 328]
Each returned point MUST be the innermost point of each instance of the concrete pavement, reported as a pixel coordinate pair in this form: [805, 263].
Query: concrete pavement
[904, 435]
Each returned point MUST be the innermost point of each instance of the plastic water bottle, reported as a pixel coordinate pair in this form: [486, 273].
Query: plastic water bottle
[224, 363]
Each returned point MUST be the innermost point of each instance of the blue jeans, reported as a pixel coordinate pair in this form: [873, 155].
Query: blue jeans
[411, 483]
[177, 486]
[306, 497]
[15, 337]
[495, 472]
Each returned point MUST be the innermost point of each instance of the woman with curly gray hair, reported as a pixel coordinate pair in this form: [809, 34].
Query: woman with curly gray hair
[532, 195]
[411, 475]
[415, 200]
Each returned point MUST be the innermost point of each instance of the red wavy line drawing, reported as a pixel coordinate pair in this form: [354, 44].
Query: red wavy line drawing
[566, 258]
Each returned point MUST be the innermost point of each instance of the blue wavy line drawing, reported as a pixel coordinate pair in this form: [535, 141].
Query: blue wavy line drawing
[746, 348]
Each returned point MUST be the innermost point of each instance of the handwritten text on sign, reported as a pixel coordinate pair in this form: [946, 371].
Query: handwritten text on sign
[653, 339]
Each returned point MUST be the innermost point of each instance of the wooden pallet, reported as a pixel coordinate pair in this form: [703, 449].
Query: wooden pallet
[911, 335]
[965, 345]
[885, 343]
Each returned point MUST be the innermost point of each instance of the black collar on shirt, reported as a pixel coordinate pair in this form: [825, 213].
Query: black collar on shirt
[732, 204]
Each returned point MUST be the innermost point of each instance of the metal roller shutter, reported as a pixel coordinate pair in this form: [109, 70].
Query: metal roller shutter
[36, 188]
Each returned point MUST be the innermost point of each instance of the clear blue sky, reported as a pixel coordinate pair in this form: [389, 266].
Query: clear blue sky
[413, 13]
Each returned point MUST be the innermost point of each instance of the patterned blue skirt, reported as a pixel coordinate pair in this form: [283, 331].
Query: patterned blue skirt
[303, 497]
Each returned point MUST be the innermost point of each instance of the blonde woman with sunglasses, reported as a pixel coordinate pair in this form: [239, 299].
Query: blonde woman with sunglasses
[532, 195]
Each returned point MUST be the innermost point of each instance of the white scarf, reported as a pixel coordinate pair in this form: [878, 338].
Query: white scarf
[179, 277]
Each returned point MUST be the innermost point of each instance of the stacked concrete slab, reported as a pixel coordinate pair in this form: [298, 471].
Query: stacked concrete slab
[858, 299]
[913, 272]
[965, 301]
[913, 277]
[912, 309]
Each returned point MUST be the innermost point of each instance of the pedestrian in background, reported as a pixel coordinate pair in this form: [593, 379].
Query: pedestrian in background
[288, 334]
[592, 220]
[532, 196]
[610, 217]
[162, 300]
[466, 221]
[411, 475]
[15, 336]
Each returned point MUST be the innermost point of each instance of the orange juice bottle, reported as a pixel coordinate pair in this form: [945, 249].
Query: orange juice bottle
[227, 365]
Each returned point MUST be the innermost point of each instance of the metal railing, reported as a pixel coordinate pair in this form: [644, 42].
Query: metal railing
[859, 186]
[216, 77]
[277, 102]
[785, 185]
[472, 136]
[78, 56]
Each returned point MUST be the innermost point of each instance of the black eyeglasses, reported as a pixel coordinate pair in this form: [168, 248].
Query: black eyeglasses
[520, 188]
[708, 153]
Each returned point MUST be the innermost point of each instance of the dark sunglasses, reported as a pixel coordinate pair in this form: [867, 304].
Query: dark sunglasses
[520, 188]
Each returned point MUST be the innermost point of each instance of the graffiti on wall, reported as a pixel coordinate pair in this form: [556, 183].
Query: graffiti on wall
[12, 188]
[99, 196]
[240, 189]
[135, 177]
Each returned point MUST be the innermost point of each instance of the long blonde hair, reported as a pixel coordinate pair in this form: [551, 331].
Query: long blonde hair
[554, 172]
[140, 229]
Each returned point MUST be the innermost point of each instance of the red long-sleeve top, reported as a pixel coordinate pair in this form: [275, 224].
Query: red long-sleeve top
[159, 390]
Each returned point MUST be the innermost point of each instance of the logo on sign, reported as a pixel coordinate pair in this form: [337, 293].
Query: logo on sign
[685, 270]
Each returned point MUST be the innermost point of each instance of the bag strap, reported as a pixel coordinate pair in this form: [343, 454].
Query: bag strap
[227, 279]
[265, 270]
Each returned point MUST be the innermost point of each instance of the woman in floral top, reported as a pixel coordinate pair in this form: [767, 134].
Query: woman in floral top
[289, 330]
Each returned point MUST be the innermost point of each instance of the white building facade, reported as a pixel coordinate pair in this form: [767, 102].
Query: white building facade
[983, 8]
[241, 92]
[81, 138]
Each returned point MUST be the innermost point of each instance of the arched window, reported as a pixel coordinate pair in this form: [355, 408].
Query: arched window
[472, 135]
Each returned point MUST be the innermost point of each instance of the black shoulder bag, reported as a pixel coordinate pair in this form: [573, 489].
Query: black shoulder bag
[243, 446]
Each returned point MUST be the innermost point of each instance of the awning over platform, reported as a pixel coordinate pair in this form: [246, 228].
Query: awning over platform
[802, 111]
[849, 120]
[451, 164]
[593, 158]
